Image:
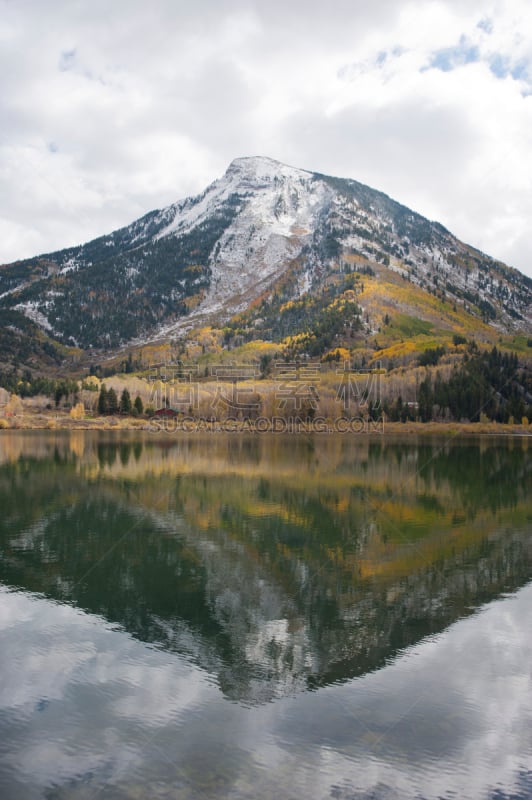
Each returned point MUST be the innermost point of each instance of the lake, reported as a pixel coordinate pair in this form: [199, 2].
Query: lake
[261, 616]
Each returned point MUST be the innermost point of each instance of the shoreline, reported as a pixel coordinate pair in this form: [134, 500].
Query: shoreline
[64, 422]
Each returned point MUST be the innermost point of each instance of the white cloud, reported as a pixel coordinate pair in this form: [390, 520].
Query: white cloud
[111, 111]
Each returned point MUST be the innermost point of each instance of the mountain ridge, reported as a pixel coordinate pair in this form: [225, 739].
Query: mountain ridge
[262, 225]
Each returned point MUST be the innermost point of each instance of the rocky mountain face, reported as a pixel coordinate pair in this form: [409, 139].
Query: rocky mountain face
[204, 259]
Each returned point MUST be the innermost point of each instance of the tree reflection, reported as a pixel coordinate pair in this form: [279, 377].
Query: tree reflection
[277, 576]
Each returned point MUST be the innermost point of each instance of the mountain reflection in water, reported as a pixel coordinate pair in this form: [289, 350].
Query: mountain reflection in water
[277, 565]
[244, 617]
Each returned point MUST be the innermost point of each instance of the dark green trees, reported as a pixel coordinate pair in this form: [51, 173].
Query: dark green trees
[103, 405]
[490, 383]
[107, 401]
[125, 402]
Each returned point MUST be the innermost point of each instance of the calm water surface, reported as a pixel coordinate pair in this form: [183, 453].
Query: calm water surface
[264, 617]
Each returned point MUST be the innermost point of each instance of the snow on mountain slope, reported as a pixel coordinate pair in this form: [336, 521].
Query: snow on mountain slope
[279, 210]
[204, 258]
[283, 210]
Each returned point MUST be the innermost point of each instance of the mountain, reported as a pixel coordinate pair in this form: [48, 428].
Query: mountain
[260, 238]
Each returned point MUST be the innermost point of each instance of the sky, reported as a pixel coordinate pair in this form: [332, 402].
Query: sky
[109, 110]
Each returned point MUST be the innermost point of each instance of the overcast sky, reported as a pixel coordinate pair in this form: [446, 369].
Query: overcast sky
[111, 109]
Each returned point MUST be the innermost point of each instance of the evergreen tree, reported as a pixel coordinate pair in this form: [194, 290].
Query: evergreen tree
[103, 400]
[112, 401]
[125, 402]
[425, 400]
[139, 405]
[440, 394]
[58, 395]
[399, 409]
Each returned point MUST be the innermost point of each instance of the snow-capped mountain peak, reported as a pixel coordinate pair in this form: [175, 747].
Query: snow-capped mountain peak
[206, 257]
[262, 168]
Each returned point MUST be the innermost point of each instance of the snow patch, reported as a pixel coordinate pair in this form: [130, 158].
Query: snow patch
[31, 311]
[70, 265]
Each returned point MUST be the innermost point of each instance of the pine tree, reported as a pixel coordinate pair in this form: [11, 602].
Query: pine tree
[139, 405]
[425, 400]
[112, 401]
[125, 402]
[103, 400]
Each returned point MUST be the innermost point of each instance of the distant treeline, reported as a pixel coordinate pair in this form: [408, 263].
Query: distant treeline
[26, 385]
[487, 385]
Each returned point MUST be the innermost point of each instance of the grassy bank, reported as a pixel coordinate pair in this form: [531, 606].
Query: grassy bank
[61, 420]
